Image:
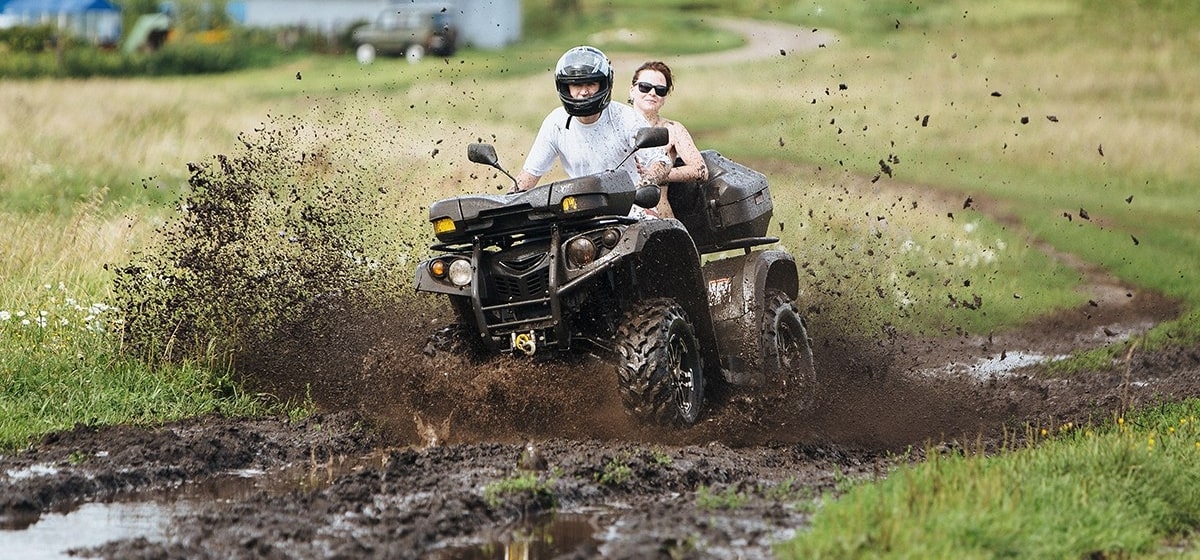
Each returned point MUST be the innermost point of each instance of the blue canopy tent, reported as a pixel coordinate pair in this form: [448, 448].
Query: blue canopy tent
[98, 21]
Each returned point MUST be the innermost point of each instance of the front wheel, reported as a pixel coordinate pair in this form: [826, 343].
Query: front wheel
[660, 370]
[414, 53]
[786, 351]
[456, 339]
[365, 53]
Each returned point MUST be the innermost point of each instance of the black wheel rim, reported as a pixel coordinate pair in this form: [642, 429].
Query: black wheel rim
[789, 346]
[682, 369]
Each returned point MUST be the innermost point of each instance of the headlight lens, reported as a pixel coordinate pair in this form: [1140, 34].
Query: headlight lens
[460, 272]
[610, 238]
[581, 252]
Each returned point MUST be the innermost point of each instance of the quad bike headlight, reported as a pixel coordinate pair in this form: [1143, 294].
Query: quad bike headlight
[610, 238]
[581, 252]
[460, 272]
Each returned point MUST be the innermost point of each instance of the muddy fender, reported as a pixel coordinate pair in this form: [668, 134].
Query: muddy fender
[737, 289]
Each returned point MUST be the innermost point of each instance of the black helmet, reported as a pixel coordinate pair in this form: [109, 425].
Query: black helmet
[581, 65]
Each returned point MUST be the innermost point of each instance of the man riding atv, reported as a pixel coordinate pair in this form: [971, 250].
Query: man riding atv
[603, 133]
[568, 265]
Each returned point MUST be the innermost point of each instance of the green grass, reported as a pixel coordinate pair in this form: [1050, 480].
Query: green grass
[1112, 491]
[729, 498]
[1116, 77]
[60, 367]
[523, 486]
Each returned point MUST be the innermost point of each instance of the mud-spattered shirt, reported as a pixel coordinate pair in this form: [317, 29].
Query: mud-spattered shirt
[586, 149]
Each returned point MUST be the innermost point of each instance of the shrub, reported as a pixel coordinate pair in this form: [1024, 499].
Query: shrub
[26, 39]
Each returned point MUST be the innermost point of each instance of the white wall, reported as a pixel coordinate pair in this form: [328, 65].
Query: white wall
[490, 24]
[485, 24]
[321, 15]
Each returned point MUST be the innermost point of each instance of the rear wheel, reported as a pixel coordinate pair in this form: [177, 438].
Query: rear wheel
[659, 370]
[787, 356]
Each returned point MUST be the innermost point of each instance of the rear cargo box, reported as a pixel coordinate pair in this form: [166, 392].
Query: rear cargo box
[731, 210]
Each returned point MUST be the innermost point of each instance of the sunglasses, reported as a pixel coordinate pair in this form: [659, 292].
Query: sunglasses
[645, 87]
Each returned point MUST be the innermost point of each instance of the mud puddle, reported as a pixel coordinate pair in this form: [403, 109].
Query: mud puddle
[547, 536]
[1004, 364]
[151, 515]
[53, 535]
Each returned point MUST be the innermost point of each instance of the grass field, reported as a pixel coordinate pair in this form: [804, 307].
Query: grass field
[1036, 109]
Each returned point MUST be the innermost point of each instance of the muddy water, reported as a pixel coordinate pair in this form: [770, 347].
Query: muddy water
[548, 536]
[52, 535]
[1002, 365]
[149, 515]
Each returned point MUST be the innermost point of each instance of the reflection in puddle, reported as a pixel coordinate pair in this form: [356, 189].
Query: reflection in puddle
[549, 536]
[148, 515]
[53, 534]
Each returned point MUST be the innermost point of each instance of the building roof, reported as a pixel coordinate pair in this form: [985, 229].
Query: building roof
[56, 6]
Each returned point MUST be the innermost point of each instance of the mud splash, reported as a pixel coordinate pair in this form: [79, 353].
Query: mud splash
[283, 231]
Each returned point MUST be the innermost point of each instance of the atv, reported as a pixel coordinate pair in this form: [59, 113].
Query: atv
[674, 303]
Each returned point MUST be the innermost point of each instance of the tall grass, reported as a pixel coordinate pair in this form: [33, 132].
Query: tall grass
[1122, 490]
[61, 365]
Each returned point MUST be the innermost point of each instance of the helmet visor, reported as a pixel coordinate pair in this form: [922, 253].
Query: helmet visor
[582, 65]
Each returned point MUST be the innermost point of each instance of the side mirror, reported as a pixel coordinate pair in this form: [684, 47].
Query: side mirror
[483, 153]
[486, 154]
[652, 137]
[647, 196]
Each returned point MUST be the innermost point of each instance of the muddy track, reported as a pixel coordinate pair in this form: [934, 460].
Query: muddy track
[357, 484]
[442, 458]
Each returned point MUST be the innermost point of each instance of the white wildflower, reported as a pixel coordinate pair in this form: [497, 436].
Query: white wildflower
[4, 315]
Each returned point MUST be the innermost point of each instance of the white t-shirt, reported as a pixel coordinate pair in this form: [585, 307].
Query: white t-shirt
[586, 149]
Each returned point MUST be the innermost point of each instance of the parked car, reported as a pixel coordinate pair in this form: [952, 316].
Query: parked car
[410, 32]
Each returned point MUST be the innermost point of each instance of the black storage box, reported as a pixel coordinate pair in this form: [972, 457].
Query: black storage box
[731, 210]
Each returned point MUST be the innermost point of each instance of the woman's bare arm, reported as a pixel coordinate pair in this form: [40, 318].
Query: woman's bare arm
[693, 168]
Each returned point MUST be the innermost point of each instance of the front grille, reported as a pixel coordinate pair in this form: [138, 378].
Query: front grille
[521, 263]
[517, 289]
[519, 274]
[535, 284]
